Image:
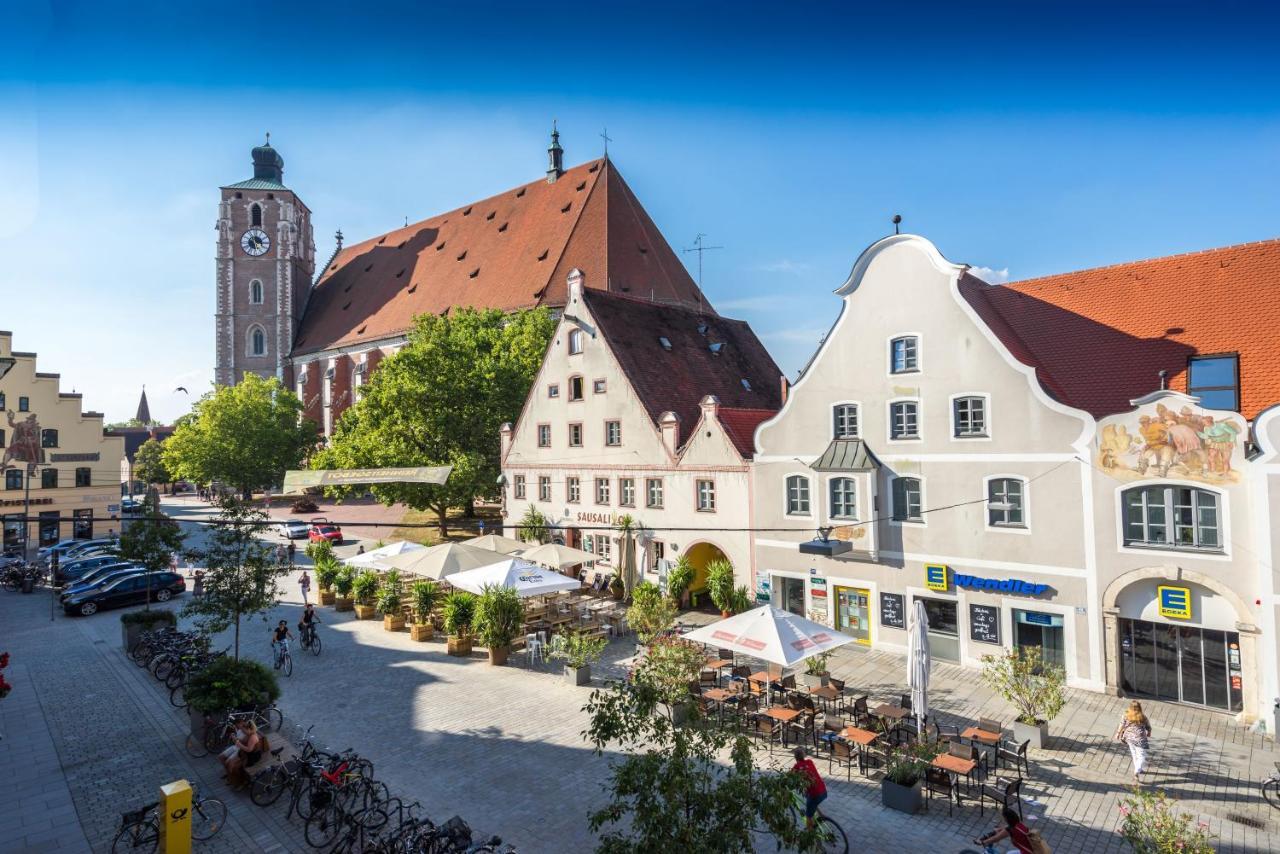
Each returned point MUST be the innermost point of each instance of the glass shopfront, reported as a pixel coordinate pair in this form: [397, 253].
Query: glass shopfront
[791, 594]
[944, 628]
[853, 613]
[1183, 664]
[49, 527]
[1035, 628]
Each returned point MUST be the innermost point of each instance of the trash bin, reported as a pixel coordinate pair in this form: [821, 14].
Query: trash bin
[27, 583]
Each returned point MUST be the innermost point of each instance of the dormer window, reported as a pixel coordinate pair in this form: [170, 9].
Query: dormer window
[904, 355]
[1215, 380]
[575, 341]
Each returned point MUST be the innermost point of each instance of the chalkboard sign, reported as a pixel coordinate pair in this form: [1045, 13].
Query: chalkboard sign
[893, 610]
[984, 624]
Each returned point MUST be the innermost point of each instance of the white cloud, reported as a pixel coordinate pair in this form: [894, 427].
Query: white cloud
[990, 275]
[786, 265]
[751, 304]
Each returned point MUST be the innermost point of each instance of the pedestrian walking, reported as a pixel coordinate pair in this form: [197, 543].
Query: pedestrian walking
[293, 550]
[360, 549]
[1135, 731]
[305, 583]
[281, 555]
[197, 587]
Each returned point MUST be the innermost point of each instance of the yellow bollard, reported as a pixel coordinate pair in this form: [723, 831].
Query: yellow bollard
[175, 817]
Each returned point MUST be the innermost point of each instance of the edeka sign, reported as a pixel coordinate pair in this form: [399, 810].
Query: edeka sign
[939, 577]
[1175, 602]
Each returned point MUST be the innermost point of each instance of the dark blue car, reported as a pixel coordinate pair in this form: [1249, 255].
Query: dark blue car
[100, 576]
[127, 590]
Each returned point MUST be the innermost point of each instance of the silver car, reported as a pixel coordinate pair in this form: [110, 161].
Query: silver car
[293, 529]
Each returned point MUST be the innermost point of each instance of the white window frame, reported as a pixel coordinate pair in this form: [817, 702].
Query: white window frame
[614, 422]
[1222, 552]
[697, 495]
[537, 435]
[553, 390]
[518, 486]
[544, 487]
[626, 485]
[924, 517]
[888, 411]
[575, 342]
[599, 386]
[986, 416]
[831, 505]
[857, 408]
[648, 494]
[572, 425]
[786, 495]
[582, 389]
[918, 369]
[573, 490]
[604, 491]
[604, 549]
[1025, 527]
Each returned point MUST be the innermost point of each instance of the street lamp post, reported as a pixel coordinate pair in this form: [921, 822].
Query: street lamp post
[26, 515]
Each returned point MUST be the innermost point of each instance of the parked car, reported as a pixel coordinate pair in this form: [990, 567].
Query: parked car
[82, 546]
[323, 529]
[130, 505]
[73, 570]
[99, 575]
[125, 591]
[294, 529]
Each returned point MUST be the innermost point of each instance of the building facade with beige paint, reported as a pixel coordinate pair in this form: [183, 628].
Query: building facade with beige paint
[56, 460]
[1040, 465]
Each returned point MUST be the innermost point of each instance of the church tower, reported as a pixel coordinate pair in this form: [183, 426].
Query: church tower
[265, 265]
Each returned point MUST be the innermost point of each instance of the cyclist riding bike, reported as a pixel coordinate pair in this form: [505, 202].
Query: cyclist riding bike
[307, 624]
[816, 793]
[280, 637]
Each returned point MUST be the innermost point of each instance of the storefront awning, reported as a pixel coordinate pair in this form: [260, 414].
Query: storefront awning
[846, 455]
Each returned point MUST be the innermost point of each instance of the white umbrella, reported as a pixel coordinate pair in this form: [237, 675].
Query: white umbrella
[520, 575]
[918, 662]
[557, 555]
[440, 561]
[497, 543]
[770, 634]
[376, 559]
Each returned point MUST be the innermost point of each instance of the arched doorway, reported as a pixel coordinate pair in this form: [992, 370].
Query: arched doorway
[699, 556]
[1180, 636]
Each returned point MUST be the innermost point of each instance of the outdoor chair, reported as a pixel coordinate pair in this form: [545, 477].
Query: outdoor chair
[724, 654]
[875, 753]
[1011, 753]
[748, 709]
[709, 679]
[767, 730]
[842, 754]
[1002, 792]
[832, 726]
[803, 728]
[964, 751]
[946, 732]
[903, 733]
[533, 648]
[938, 780]
[990, 725]
[788, 683]
[858, 712]
[838, 684]
[904, 702]
[740, 672]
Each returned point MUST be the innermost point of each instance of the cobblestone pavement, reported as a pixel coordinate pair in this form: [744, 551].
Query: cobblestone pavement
[502, 746]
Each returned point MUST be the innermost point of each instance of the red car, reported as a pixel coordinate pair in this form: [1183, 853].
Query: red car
[323, 529]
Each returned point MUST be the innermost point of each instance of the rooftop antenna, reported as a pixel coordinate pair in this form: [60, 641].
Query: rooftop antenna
[607, 139]
[1164, 376]
[700, 247]
[268, 138]
[897, 221]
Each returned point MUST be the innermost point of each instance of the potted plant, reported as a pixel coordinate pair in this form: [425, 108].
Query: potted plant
[390, 596]
[342, 584]
[741, 599]
[904, 768]
[815, 670]
[425, 593]
[720, 585]
[365, 591]
[670, 665]
[1151, 825]
[499, 617]
[533, 526]
[326, 571]
[319, 551]
[578, 651]
[1036, 688]
[679, 578]
[650, 611]
[459, 611]
[134, 623]
[616, 588]
[227, 685]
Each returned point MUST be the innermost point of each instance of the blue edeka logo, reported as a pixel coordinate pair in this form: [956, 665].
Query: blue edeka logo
[936, 578]
[1175, 602]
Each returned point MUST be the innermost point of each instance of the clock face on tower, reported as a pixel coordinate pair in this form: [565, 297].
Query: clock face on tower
[255, 242]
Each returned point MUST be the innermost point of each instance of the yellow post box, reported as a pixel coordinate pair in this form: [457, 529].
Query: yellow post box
[175, 817]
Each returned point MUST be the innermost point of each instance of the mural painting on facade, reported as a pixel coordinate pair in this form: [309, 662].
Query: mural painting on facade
[24, 445]
[1180, 440]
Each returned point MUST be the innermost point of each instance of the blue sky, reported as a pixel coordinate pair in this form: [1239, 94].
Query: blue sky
[1026, 141]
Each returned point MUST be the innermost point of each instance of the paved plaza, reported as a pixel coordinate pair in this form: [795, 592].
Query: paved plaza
[89, 735]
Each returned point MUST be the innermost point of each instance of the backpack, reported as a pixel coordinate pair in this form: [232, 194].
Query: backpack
[1038, 845]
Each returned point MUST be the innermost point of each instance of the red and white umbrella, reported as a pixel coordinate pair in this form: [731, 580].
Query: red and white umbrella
[770, 634]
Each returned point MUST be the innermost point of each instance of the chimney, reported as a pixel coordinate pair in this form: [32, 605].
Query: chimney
[575, 280]
[710, 406]
[555, 156]
[505, 441]
[786, 388]
[669, 424]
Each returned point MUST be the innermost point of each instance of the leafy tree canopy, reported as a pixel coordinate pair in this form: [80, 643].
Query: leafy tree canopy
[246, 435]
[440, 400]
[148, 463]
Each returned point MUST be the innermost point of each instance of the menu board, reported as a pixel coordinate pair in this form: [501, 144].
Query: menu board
[893, 610]
[984, 624]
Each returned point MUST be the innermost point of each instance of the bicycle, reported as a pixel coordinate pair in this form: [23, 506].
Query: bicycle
[283, 661]
[831, 836]
[218, 737]
[140, 829]
[310, 637]
[1271, 788]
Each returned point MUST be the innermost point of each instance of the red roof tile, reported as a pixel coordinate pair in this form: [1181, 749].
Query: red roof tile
[1099, 337]
[677, 379]
[511, 251]
[741, 426]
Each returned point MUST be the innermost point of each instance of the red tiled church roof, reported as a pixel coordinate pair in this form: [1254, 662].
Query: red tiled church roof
[511, 251]
[741, 424]
[676, 379]
[1099, 337]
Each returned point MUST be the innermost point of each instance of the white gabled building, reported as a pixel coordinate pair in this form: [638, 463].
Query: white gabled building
[643, 409]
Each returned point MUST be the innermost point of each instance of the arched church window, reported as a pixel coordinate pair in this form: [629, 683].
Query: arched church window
[255, 214]
[257, 342]
[255, 292]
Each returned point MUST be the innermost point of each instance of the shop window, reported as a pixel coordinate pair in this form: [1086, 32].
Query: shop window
[604, 548]
[907, 504]
[653, 492]
[82, 524]
[659, 552]
[904, 355]
[1215, 380]
[843, 498]
[49, 479]
[49, 527]
[1172, 517]
[519, 486]
[49, 438]
[797, 495]
[1005, 497]
[969, 417]
[544, 488]
[904, 420]
[706, 496]
[845, 418]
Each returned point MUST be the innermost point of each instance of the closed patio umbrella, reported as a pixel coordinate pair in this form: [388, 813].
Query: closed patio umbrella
[441, 561]
[520, 575]
[376, 559]
[918, 663]
[497, 543]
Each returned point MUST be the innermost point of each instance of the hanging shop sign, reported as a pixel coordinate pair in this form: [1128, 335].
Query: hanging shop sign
[1175, 602]
[940, 577]
[818, 588]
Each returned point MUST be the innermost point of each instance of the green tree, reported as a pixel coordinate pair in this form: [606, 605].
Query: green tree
[241, 575]
[151, 540]
[246, 435]
[440, 400]
[148, 463]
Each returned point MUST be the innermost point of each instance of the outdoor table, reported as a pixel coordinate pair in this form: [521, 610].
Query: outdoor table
[886, 712]
[990, 739]
[760, 676]
[719, 696]
[863, 738]
[955, 765]
[826, 693]
[783, 715]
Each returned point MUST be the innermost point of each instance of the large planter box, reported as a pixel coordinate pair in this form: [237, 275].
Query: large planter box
[421, 631]
[901, 798]
[341, 604]
[459, 647]
[1037, 734]
[327, 597]
[816, 680]
[393, 623]
[680, 712]
[498, 654]
[578, 675]
[365, 612]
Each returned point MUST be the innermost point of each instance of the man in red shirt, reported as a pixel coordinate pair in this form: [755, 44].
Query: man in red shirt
[816, 793]
[1014, 830]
